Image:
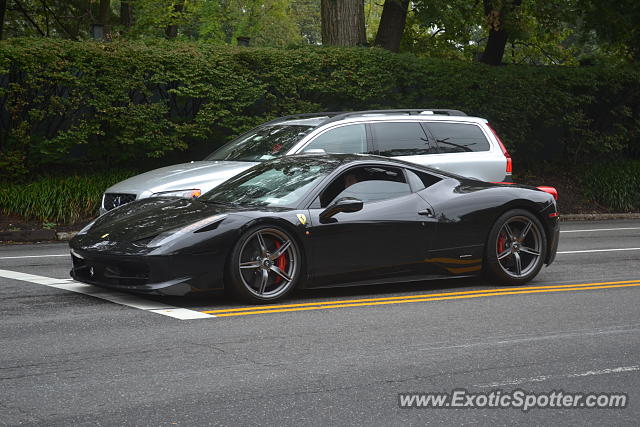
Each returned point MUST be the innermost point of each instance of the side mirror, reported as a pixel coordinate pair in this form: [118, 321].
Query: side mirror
[346, 204]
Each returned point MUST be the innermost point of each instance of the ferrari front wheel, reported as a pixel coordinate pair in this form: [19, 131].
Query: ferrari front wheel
[516, 248]
[265, 264]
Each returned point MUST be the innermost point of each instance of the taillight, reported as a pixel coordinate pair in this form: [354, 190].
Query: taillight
[549, 190]
[504, 150]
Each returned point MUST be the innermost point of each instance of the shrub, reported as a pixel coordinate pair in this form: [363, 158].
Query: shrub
[104, 105]
[616, 186]
[61, 200]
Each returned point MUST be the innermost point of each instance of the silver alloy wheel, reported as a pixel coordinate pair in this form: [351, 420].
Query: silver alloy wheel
[519, 246]
[268, 263]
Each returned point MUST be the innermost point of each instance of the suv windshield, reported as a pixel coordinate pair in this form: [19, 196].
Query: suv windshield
[282, 183]
[262, 143]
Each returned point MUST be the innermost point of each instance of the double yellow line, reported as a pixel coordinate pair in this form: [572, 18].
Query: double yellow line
[244, 311]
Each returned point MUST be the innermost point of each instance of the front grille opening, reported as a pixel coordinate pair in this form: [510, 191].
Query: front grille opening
[111, 272]
[114, 200]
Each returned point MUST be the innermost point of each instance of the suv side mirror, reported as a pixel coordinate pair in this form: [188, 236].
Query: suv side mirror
[346, 204]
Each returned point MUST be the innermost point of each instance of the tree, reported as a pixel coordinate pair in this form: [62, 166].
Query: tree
[126, 14]
[616, 23]
[392, 22]
[171, 31]
[3, 10]
[497, 14]
[343, 22]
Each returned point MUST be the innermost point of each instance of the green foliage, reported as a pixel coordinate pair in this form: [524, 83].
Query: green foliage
[102, 105]
[615, 185]
[58, 200]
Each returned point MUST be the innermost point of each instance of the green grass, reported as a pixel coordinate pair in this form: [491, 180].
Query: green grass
[59, 200]
[615, 185]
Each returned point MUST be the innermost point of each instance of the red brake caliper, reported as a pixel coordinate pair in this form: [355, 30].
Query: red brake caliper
[281, 263]
[501, 243]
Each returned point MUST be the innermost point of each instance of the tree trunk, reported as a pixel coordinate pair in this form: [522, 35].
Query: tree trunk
[103, 17]
[172, 30]
[126, 13]
[392, 21]
[343, 22]
[494, 51]
[3, 9]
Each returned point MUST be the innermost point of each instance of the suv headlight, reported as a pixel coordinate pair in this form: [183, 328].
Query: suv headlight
[185, 194]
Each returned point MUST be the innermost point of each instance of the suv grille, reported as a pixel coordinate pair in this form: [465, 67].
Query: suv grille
[113, 200]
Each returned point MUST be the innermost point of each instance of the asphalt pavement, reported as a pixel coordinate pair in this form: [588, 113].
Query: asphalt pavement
[70, 355]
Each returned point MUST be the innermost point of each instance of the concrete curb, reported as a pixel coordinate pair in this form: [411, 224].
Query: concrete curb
[598, 217]
[63, 236]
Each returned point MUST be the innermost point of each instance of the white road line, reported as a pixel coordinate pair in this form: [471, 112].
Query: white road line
[32, 256]
[599, 229]
[598, 250]
[105, 294]
[541, 378]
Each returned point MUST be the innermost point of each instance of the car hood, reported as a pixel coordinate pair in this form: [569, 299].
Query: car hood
[202, 175]
[149, 217]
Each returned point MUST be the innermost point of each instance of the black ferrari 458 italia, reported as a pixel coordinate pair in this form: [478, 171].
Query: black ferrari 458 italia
[316, 221]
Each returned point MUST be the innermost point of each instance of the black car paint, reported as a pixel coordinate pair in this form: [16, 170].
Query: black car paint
[438, 231]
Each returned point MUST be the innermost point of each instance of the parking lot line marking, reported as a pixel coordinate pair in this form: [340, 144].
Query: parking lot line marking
[33, 256]
[404, 301]
[599, 229]
[404, 297]
[121, 298]
[586, 251]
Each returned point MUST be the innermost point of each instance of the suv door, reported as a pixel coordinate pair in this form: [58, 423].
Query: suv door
[397, 139]
[388, 238]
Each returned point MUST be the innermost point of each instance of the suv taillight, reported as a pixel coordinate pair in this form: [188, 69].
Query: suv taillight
[504, 150]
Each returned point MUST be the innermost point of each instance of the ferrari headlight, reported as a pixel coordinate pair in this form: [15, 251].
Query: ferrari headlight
[86, 228]
[185, 194]
[168, 236]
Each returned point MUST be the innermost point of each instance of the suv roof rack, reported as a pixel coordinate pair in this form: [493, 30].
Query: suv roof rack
[305, 116]
[413, 111]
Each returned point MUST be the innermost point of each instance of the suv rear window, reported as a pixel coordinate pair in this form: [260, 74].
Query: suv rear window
[401, 139]
[458, 137]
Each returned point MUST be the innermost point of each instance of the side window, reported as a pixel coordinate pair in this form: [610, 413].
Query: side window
[401, 139]
[458, 137]
[344, 139]
[367, 183]
[421, 180]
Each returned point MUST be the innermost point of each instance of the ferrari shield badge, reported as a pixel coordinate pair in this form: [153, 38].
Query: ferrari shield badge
[302, 218]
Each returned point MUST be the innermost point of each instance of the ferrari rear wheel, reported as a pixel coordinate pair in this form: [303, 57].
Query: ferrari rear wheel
[265, 264]
[516, 248]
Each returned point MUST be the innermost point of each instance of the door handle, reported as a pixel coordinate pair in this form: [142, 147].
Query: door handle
[426, 212]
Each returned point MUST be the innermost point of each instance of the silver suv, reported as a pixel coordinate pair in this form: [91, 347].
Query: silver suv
[444, 139]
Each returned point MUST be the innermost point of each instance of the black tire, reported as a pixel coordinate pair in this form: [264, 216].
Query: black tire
[256, 273]
[511, 258]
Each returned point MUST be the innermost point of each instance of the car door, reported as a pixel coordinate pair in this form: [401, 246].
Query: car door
[388, 238]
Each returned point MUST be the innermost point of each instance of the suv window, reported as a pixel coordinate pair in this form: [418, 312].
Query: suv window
[367, 183]
[458, 137]
[263, 143]
[401, 139]
[343, 139]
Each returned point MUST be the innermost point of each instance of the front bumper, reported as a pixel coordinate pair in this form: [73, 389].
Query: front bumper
[177, 274]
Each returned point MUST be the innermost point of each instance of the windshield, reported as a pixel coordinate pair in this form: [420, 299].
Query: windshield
[262, 143]
[282, 183]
